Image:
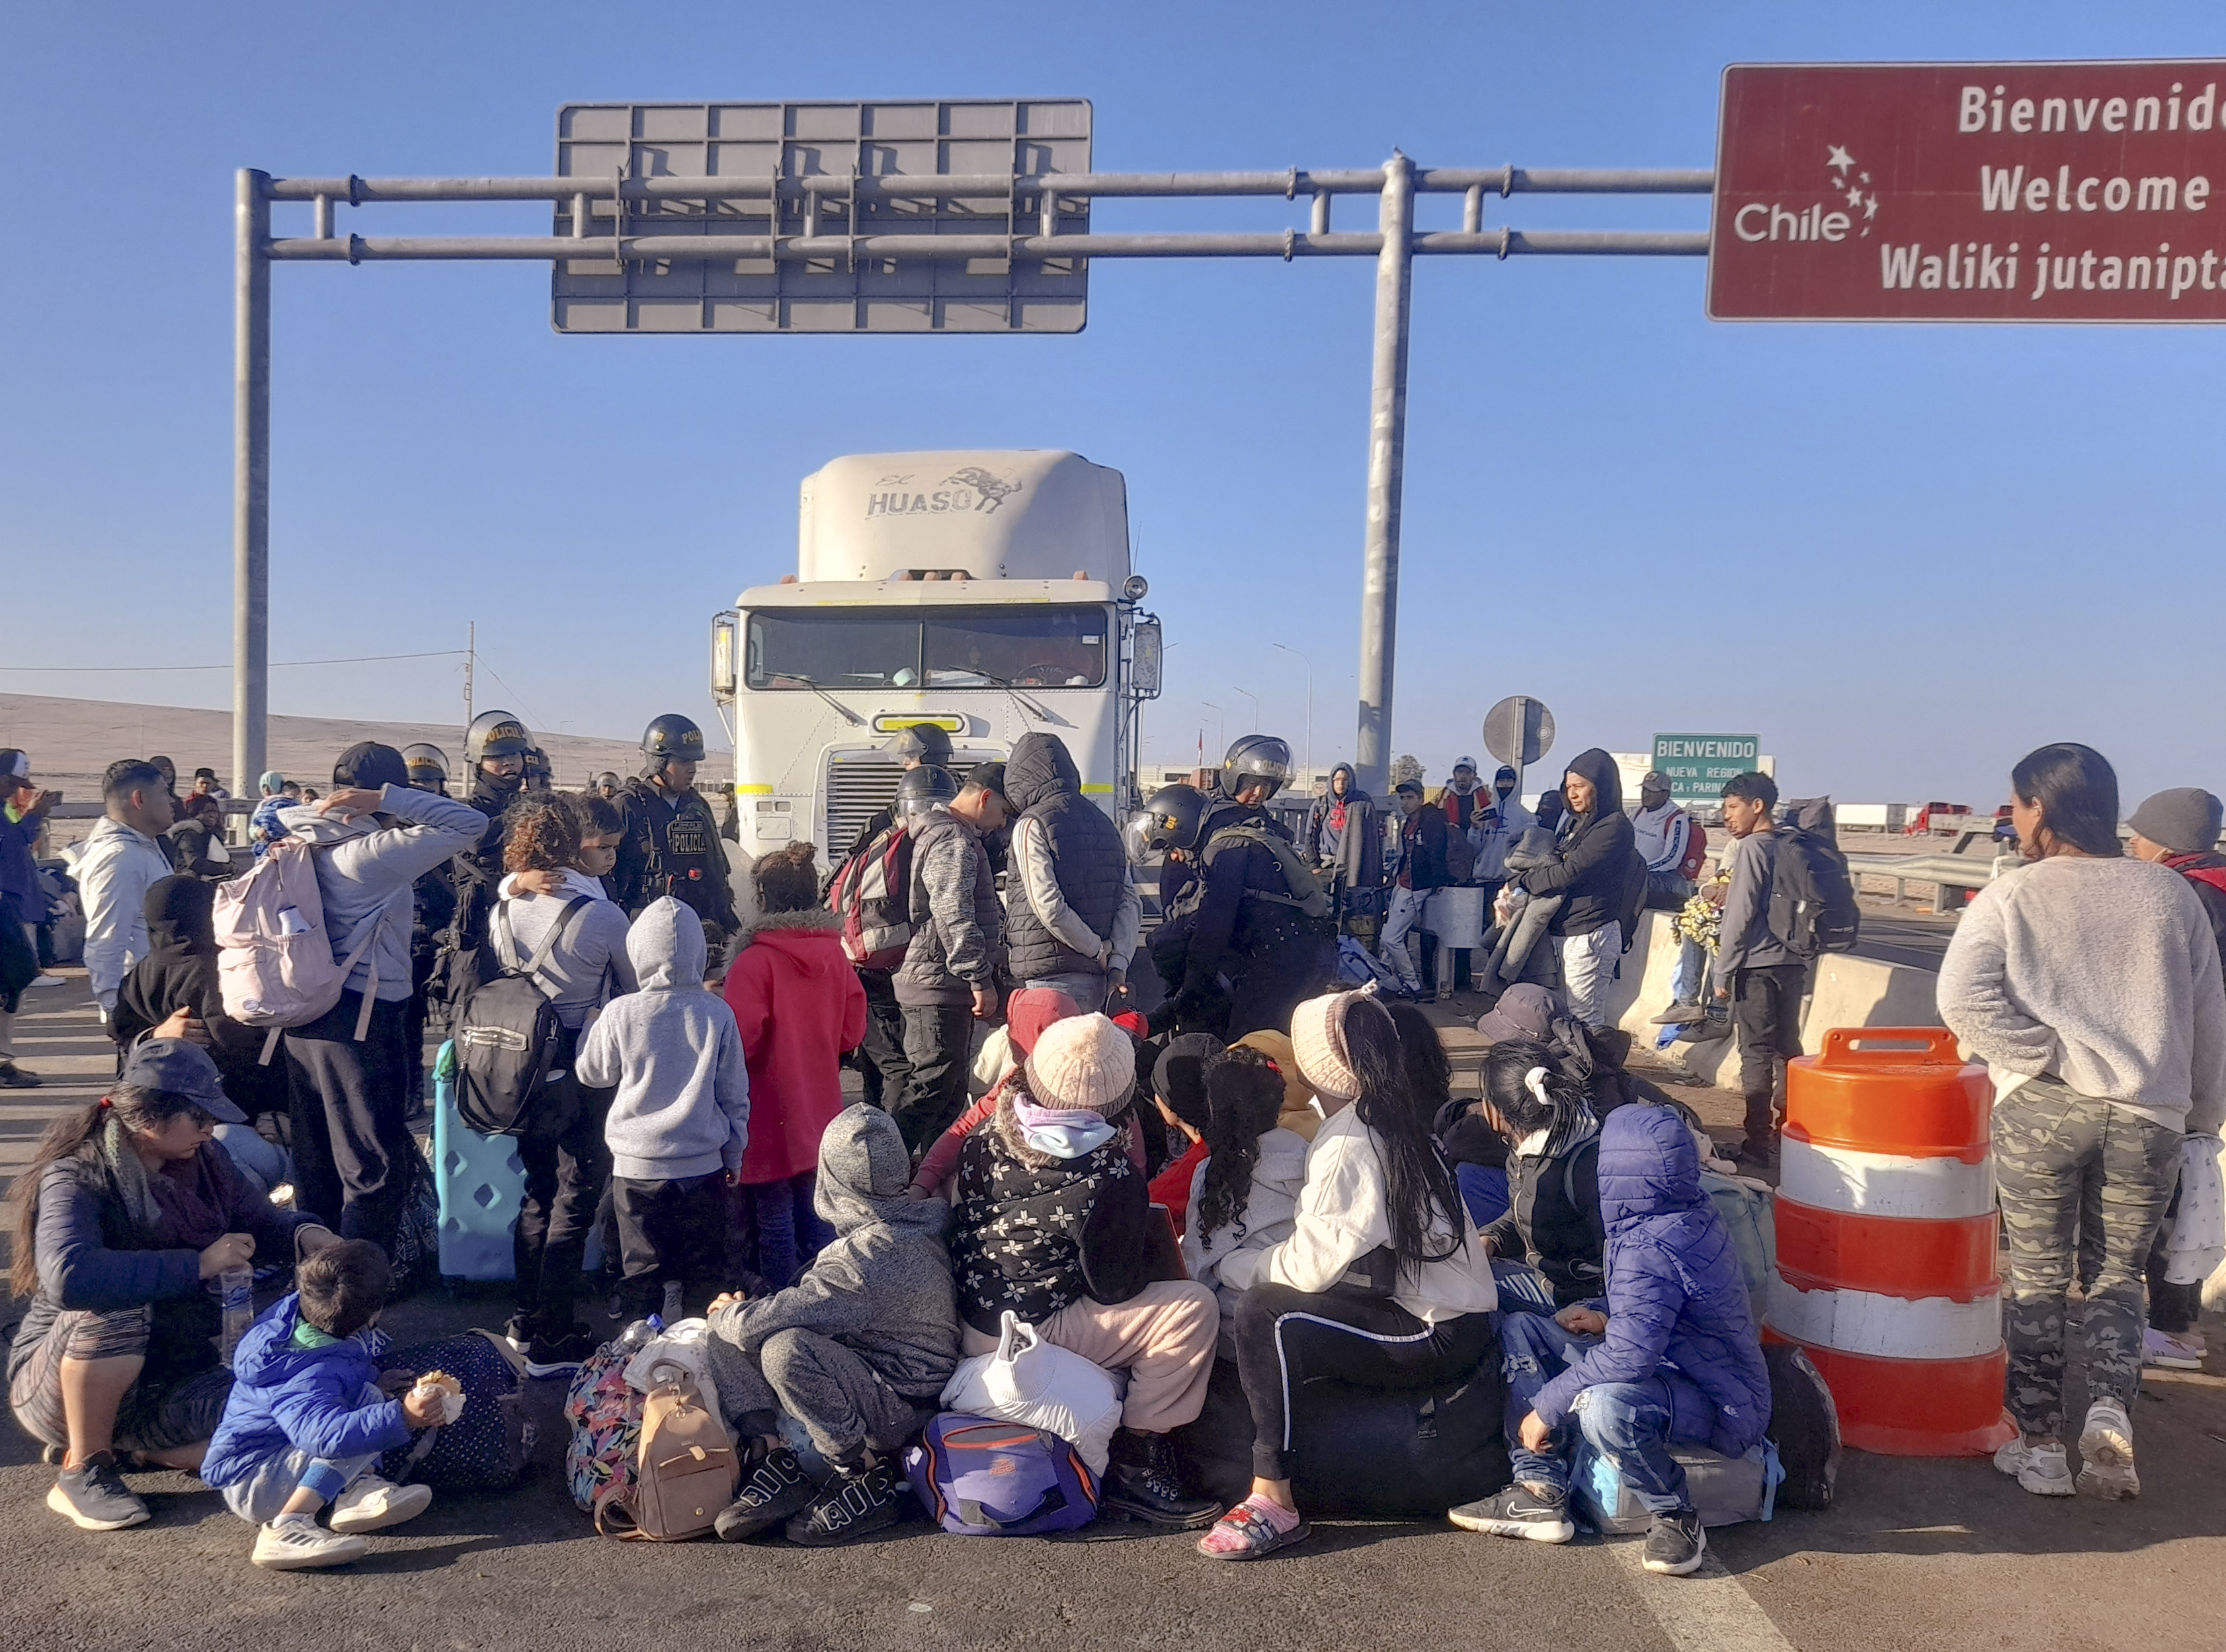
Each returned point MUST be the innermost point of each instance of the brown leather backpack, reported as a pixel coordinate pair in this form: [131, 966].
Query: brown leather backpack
[688, 1472]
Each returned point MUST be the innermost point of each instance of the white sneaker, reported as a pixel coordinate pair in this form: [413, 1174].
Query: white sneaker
[297, 1543]
[2106, 1453]
[2183, 1350]
[2045, 1471]
[44, 981]
[371, 1503]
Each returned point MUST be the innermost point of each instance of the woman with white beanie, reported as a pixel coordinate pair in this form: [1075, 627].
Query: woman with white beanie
[1049, 1222]
[1383, 1282]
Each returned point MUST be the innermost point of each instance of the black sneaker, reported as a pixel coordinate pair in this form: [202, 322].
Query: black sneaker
[552, 1355]
[1518, 1512]
[777, 1488]
[15, 1077]
[854, 1505]
[1757, 1155]
[521, 1330]
[1142, 1482]
[1677, 1544]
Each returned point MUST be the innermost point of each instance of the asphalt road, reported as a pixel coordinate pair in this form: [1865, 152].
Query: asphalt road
[1941, 1556]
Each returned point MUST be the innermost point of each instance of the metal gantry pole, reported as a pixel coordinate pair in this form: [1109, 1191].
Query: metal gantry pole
[251, 479]
[1386, 446]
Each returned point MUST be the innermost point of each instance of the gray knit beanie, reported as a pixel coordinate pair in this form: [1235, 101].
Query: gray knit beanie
[2185, 820]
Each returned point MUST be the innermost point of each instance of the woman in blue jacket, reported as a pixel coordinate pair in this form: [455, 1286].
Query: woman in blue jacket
[1674, 1356]
[133, 1211]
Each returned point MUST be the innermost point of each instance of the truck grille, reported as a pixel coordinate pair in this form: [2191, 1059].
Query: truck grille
[856, 791]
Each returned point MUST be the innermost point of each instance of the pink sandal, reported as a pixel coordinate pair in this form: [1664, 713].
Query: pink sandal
[1248, 1532]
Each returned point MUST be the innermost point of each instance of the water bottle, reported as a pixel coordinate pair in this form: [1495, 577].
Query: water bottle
[640, 1334]
[235, 1291]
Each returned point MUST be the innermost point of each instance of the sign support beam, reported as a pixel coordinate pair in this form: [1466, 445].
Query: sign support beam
[251, 480]
[1387, 459]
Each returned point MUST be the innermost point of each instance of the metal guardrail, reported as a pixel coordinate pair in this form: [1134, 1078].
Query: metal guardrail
[1941, 871]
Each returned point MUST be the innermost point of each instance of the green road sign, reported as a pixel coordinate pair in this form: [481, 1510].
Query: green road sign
[1698, 765]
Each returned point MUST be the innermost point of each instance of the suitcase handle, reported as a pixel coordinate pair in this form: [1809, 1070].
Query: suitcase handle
[1899, 1046]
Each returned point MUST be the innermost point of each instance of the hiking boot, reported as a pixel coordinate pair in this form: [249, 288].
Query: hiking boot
[1677, 1544]
[777, 1488]
[2175, 1350]
[2045, 1471]
[93, 1497]
[855, 1504]
[2106, 1453]
[1142, 1482]
[676, 1302]
[548, 1355]
[1756, 1155]
[371, 1503]
[15, 1077]
[1519, 1511]
[1678, 1016]
[297, 1543]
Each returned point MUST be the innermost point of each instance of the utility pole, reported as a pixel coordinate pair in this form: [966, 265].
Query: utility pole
[471, 661]
[251, 479]
[1387, 445]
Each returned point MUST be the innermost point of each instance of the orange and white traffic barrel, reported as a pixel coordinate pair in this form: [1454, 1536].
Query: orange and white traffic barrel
[1886, 1266]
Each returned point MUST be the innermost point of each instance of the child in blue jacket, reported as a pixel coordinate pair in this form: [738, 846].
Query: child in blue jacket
[308, 1419]
[1674, 1357]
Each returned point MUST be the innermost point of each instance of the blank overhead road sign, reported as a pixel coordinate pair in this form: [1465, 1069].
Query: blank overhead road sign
[965, 215]
[1971, 192]
[873, 178]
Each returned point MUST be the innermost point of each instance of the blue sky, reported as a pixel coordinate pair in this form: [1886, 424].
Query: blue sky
[1902, 555]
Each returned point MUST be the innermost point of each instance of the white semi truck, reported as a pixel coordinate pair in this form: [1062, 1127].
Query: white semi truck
[989, 594]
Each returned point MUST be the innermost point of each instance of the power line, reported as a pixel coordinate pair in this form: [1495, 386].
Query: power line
[357, 659]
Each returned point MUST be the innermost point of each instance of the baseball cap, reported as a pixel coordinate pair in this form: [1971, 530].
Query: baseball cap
[1654, 777]
[1468, 763]
[14, 766]
[271, 780]
[1522, 1012]
[1414, 786]
[181, 1069]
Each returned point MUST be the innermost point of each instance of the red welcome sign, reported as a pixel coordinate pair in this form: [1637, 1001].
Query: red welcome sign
[1970, 192]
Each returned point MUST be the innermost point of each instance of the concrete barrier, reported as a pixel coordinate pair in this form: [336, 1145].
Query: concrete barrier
[1848, 991]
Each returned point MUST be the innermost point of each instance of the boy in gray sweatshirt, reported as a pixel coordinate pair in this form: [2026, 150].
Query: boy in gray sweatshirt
[858, 1350]
[680, 1120]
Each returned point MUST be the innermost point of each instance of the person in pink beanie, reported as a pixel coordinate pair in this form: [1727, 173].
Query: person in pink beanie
[1050, 1223]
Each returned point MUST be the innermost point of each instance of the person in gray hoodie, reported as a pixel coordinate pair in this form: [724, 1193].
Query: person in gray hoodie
[858, 1350]
[351, 1070]
[680, 1120]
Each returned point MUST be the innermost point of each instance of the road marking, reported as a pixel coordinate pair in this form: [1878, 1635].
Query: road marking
[1708, 1612]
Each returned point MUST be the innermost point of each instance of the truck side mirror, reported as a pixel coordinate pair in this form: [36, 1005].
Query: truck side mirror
[1147, 656]
[725, 631]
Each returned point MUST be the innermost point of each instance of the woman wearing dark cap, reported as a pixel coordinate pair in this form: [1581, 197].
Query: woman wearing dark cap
[172, 992]
[132, 1213]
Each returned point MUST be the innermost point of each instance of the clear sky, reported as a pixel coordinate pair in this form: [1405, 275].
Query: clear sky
[1902, 555]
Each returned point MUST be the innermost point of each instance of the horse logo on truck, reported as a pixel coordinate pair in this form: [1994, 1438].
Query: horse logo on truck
[971, 489]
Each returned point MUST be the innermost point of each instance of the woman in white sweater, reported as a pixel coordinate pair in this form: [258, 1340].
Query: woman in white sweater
[2089, 983]
[1383, 1281]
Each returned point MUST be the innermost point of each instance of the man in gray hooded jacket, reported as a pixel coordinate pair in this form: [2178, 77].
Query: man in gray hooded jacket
[858, 1350]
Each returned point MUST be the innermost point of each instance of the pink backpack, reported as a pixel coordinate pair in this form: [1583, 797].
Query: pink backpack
[275, 964]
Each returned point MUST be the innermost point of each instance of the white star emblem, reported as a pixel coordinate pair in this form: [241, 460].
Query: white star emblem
[1839, 160]
[1854, 198]
[1870, 208]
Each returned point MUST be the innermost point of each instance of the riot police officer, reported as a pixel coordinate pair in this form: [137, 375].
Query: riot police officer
[919, 745]
[671, 845]
[494, 774]
[1249, 935]
[428, 766]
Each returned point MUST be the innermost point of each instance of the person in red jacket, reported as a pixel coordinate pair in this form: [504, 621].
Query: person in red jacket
[801, 1009]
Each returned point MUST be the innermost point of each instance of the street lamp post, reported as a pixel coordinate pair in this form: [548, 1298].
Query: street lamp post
[1255, 699]
[1220, 728]
[1309, 664]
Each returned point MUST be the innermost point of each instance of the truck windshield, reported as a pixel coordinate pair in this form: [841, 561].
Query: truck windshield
[1036, 646]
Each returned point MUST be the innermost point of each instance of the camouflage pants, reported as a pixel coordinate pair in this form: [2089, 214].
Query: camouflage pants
[2053, 1148]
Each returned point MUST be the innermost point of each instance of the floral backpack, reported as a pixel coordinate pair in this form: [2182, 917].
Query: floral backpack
[604, 1412]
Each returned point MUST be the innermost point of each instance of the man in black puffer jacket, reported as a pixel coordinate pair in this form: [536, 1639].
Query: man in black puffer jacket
[1592, 872]
[1072, 915]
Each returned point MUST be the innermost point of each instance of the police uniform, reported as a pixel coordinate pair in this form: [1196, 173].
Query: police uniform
[672, 847]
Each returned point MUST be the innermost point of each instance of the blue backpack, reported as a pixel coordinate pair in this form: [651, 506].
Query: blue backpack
[980, 1479]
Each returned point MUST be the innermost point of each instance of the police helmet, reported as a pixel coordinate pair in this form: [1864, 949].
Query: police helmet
[670, 736]
[922, 789]
[495, 734]
[428, 764]
[1253, 759]
[925, 741]
[608, 781]
[1173, 815]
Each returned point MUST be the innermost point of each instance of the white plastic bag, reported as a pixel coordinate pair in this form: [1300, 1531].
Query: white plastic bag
[2197, 1249]
[1029, 1381]
[680, 1345]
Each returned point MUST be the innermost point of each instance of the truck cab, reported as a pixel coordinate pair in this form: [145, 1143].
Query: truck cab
[987, 593]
